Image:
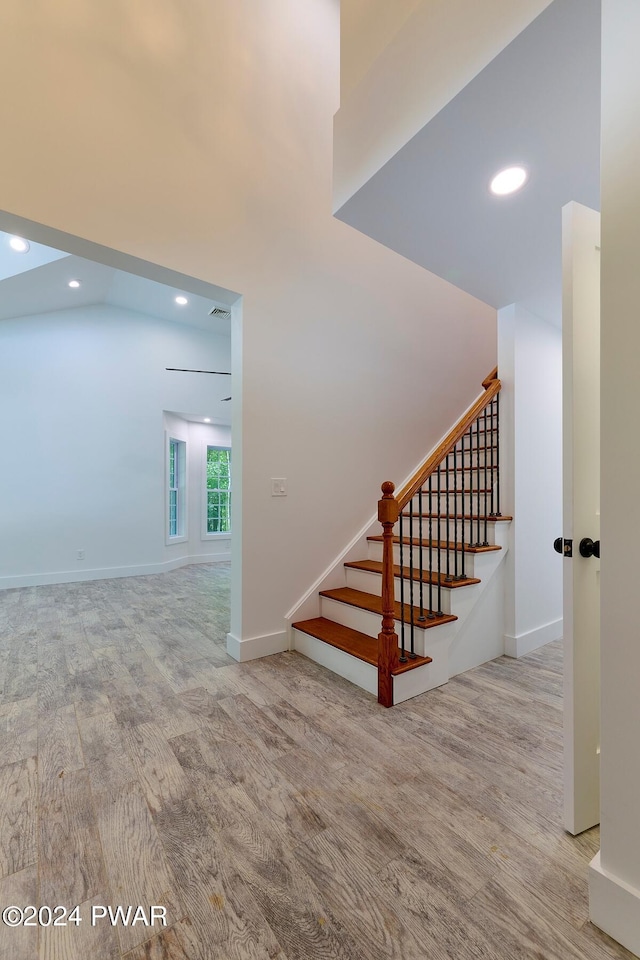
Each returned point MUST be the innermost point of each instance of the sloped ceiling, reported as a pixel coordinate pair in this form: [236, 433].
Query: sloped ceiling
[38, 282]
[537, 103]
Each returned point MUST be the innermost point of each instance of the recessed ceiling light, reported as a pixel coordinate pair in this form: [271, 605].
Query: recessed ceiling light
[207, 419]
[74, 283]
[182, 301]
[19, 245]
[508, 181]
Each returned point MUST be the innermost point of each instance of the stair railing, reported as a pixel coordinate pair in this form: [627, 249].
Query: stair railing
[470, 453]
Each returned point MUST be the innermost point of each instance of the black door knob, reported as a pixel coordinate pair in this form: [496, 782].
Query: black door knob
[589, 547]
[557, 545]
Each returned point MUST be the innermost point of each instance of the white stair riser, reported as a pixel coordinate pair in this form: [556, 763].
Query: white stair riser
[473, 454]
[365, 621]
[471, 457]
[363, 674]
[439, 530]
[469, 481]
[457, 601]
[414, 682]
[372, 583]
[461, 503]
[469, 469]
[466, 568]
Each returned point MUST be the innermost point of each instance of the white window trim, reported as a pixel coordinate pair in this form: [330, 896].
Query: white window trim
[183, 488]
[204, 534]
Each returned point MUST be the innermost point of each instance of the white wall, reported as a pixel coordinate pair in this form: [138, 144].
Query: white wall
[82, 394]
[206, 146]
[615, 873]
[530, 368]
[366, 28]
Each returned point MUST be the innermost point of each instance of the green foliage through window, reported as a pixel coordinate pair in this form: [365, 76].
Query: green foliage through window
[173, 488]
[218, 490]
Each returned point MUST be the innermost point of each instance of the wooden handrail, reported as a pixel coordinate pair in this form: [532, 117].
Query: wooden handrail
[492, 387]
[486, 383]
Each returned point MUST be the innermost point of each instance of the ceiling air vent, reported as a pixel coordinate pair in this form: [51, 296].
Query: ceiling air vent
[220, 312]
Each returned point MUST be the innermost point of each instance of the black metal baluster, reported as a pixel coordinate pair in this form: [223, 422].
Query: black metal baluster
[498, 514]
[470, 482]
[485, 542]
[403, 656]
[411, 583]
[431, 614]
[439, 610]
[447, 471]
[422, 617]
[493, 476]
[477, 481]
[462, 572]
[455, 509]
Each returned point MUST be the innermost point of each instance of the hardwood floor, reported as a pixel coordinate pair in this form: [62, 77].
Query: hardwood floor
[271, 808]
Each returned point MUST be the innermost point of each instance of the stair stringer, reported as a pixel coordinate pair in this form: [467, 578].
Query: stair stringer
[308, 606]
[478, 634]
[479, 631]
[474, 638]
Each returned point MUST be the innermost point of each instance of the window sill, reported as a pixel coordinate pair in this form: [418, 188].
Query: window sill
[180, 539]
[216, 536]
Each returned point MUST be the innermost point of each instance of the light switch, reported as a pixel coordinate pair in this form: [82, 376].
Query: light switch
[278, 486]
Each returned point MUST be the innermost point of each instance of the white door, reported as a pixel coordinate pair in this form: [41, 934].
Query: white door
[581, 514]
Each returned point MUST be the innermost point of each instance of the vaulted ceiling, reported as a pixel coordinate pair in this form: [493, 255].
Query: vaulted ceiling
[38, 282]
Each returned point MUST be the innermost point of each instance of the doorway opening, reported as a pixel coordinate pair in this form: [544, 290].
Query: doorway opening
[104, 359]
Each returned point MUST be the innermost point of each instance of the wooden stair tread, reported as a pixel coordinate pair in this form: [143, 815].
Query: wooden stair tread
[411, 664]
[344, 638]
[452, 491]
[468, 548]
[353, 642]
[375, 566]
[479, 468]
[460, 516]
[373, 603]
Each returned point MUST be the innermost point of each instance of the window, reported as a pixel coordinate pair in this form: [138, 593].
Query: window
[218, 489]
[176, 491]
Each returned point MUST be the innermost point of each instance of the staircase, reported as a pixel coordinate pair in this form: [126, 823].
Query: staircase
[432, 577]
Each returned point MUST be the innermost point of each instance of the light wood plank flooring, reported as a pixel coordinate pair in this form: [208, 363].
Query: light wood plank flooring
[271, 808]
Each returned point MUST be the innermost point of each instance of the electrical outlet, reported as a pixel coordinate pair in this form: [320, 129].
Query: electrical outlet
[80, 554]
[278, 486]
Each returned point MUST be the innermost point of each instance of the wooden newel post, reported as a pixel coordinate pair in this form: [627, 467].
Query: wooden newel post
[388, 511]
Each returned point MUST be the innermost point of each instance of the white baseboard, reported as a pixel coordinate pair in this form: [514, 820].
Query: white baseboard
[614, 906]
[525, 643]
[108, 573]
[255, 647]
